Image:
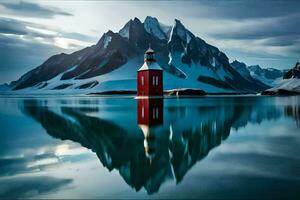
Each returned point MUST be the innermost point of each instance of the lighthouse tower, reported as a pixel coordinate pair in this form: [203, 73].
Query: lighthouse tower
[150, 77]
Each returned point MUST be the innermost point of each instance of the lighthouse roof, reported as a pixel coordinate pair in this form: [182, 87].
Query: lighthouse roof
[150, 66]
[149, 50]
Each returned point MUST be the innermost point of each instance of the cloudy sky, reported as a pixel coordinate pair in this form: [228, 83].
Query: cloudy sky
[255, 32]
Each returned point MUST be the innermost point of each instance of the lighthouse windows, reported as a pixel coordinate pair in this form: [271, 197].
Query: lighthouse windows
[155, 113]
[155, 80]
[142, 80]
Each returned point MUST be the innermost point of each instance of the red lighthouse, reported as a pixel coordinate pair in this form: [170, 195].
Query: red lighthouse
[150, 77]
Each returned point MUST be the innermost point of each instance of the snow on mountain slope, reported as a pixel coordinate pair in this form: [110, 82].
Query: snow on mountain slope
[107, 40]
[267, 76]
[124, 32]
[241, 68]
[200, 61]
[294, 72]
[194, 70]
[4, 87]
[123, 78]
[290, 84]
[152, 26]
[187, 60]
[263, 79]
[179, 30]
[166, 29]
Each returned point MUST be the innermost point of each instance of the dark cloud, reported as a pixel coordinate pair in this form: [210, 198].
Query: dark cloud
[30, 186]
[17, 27]
[276, 27]
[277, 22]
[295, 49]
[26, 9]
[240, 10]
[281, 41]
[264, 59]
[18, 55]
[11, 26]
[274, 32]
[14, 166]
[13, 45]
[81, 37]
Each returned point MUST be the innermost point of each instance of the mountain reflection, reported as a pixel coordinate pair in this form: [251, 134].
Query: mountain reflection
[151, 141]
[293, 111]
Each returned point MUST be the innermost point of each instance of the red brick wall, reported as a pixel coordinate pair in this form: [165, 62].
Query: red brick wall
[148, 89]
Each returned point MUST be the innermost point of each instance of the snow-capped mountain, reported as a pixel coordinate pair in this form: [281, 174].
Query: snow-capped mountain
[267, 76]
[293, 73]
[4, 87]
[111, 64]
[153, 27]
[290, 84]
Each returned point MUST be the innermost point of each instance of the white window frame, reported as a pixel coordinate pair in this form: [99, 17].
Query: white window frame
[153, 113]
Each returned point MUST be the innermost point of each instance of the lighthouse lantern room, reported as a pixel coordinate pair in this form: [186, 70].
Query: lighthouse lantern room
[150, 77]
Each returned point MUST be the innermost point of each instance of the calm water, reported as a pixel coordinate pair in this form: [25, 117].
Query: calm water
[96, 147]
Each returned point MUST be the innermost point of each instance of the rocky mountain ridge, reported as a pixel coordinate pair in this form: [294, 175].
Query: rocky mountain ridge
[111, 64]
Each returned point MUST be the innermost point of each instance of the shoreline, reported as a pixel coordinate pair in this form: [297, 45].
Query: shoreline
[174, 93]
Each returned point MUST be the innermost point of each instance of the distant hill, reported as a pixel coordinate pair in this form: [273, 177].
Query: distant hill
[289, 85]
[267, 76]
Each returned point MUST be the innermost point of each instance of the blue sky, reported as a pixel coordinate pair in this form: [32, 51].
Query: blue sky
[255, 32]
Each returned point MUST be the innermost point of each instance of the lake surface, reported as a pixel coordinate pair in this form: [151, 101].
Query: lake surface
[104, 147]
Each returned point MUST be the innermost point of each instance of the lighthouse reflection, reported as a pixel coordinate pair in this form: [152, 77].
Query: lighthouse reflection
[151, 141]
[150, 111]
[150, 115]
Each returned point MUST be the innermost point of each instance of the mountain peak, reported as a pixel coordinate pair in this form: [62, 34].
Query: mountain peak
[255, 67]
[150, 18]
[153, 27]
[293, 73]
[110, 32]
[178, 24]
[177, 21]
[236, 62]
[241, 68]
[129, 26]
[106, 39]
[137, 20]
[189, 60]
[180, 31]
